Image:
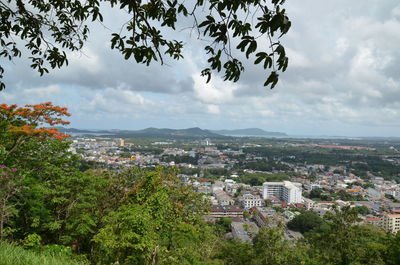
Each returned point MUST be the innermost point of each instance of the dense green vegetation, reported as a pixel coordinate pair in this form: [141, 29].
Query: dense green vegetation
[180, 159]
[129, 217]
[359, 162]
[306, 222]
[257, 179]
[334, 240]
[318, 194]
[11, 254]
[264, 165]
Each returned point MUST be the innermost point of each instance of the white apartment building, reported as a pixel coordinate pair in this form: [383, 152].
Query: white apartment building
[391, 223]
[249, 200]
[285, 191]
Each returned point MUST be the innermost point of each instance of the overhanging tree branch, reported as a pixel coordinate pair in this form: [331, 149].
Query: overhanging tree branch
[51, 28]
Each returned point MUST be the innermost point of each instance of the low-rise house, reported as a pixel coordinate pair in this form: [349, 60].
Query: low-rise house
[231, 189]
[309, 204]
[373, 221]
[290, 215]
[266, 217]
[218, 211]
[394, 207]
[223, 198]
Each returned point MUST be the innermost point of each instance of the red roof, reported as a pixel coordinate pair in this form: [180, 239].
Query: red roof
[394, 215]
[372, 219]
[203, 180]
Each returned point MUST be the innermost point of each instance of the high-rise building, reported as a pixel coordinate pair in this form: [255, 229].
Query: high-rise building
[391, 223]
[285, 191]
[121, 142]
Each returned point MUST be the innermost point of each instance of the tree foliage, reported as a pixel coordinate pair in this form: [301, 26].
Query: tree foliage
[10, 185]
[268, 247]
[344, 242]
[48, 30]
[157, 221]
[305, 222]
[131, 217]
[26, 147]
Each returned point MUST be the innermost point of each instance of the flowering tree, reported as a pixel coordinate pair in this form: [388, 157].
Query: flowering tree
[20, 124]
[29, 146]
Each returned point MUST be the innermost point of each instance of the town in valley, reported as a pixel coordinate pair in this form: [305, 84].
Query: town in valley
[253, 182]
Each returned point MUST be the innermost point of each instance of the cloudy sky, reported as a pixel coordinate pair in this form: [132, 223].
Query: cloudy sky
[343, 79]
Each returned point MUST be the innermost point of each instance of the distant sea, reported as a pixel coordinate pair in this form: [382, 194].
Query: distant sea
[88, 133]
[299, 137]
[322, 137]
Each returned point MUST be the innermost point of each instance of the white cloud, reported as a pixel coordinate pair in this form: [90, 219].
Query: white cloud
[86, 60]
[33, 95]
[342, 45]
[115, 100]
[215, 92]
[396, 11]
[43, 92]
[213, 109]
[343, 73]
[297, 59]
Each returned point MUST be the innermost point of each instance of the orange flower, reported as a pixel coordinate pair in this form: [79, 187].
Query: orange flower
[36, 118]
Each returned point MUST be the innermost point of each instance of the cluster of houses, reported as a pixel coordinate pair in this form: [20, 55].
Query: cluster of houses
[276, 203]
[269, 205]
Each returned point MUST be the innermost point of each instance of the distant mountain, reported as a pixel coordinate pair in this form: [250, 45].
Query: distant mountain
[249, 132]
[172, 133]
[190, 133]
[82, 131]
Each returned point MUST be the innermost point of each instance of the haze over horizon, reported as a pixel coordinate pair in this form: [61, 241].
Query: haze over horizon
[343, 79]
[290, 135]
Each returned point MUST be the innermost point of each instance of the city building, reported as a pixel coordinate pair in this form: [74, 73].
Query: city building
[266, 217]
[223, 198]
[218, 211]
[286, 191]
[373, 221]
[391, 223]
[249, 200]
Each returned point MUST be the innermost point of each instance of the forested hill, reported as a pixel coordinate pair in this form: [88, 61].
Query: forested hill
[190, 133]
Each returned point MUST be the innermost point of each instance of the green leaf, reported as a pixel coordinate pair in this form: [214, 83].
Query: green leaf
[272, 79]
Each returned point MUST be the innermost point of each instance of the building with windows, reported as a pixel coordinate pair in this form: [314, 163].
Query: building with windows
[223, 198]
[286, 191]
[219, 211]
[391, 223]
[249, 200]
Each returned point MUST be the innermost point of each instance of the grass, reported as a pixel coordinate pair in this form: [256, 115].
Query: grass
[11, 254]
